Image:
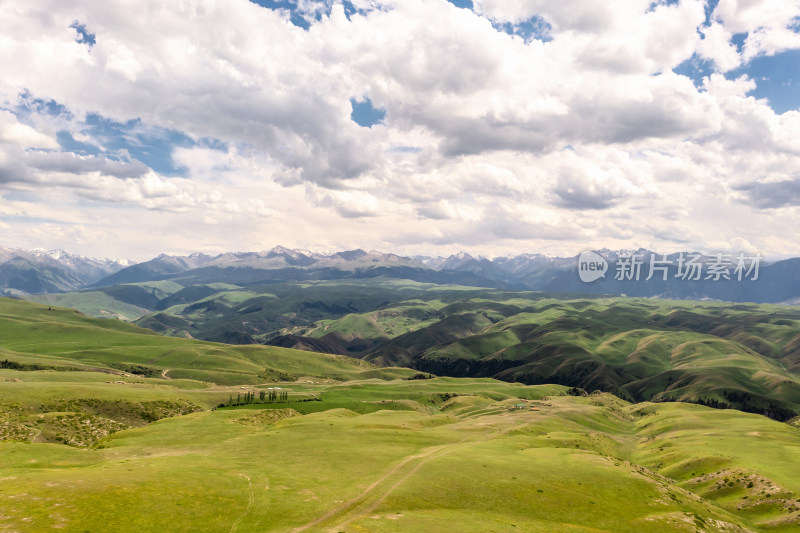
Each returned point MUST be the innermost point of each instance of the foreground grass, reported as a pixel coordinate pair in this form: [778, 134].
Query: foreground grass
[467, 463]
[85, 446]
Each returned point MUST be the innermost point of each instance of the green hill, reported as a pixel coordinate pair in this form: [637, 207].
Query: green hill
[467, 463]
[740, 355]
[127, 302]
[105, 426]
[63, 338]
[744, 356]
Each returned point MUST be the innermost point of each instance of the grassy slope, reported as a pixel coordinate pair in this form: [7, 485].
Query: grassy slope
[362, 455]
[467, 464]
[52, 336]
[216, 310]
[647, 349]
[127, 302]
[744, 355]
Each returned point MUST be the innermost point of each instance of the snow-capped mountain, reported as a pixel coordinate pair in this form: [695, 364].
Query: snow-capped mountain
[40, 271]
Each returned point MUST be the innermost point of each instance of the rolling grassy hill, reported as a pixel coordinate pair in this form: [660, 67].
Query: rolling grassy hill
[127, 302]
[245, 314]
[105, 426]
[467, 463]
[745, 355]
[56, 337]
[741, 355]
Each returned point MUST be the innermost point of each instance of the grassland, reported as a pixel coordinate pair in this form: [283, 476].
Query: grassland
[37, 334]
[745, 356]
[411, 456]
[87, 446]
[127, 302]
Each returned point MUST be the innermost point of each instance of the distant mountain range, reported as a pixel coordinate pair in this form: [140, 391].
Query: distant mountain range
[37, 272]
[47, 271]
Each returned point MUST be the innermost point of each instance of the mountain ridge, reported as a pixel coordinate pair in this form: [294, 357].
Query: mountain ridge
[58, 271]
[42, 271]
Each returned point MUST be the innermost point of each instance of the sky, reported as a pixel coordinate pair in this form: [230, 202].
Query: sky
[496, 127]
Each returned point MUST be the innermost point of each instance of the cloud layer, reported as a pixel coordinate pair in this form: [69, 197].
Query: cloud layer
[131, 128]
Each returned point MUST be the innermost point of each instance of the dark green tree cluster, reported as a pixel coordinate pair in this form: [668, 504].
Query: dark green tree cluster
[250, 398]
[278, 396]
[462, 368]
[420, 375]
[743, 401]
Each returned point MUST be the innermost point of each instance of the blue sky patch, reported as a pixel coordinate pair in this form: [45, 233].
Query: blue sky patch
[350, 10]
[463, 4]
[533, 28]
[654, 5]
[275, 4]
[83, 35]
[294, 16]
[151, 145]
[27, 105]
[738, 41]
[364, 114]
[153, 148]
[132, 140]
[312, 11]
[68, 143]
[118, 141]
[213, 144]
[710, 6]
[777, 79]
[695, 68]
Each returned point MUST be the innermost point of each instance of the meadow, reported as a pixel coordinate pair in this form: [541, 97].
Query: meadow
[745, 356]
[351, 446]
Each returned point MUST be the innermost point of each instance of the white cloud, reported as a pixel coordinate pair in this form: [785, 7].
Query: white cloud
[717, 46]
[348, 203]
[768, 22]
[72, 163]
[489, 142]
[13, 132]
[565, 15]
[747, 15]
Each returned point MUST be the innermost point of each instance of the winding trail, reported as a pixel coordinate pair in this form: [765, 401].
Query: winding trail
[251, 501]
[375, 494]
[352, 502]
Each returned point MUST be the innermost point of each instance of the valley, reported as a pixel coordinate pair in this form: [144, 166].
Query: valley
[744, 356]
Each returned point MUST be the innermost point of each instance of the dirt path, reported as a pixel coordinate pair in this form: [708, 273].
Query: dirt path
[354, 501]
[164, 373]
[358, 513]
[371, 497]
[250, 502]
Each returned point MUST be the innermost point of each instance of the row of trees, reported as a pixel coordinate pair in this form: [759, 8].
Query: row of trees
[263, 397]
[274, 396]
